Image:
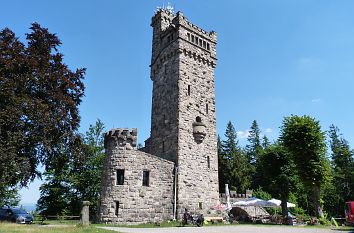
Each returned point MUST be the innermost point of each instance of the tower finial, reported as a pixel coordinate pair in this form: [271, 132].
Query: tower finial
[168, 8]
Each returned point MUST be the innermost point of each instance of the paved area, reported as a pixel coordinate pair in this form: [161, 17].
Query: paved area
[228, 229]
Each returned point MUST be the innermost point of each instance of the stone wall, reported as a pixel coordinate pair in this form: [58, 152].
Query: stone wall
[197, 161]
[137, 203]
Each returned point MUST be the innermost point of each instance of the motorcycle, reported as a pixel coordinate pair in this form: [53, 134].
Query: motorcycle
[196, 219]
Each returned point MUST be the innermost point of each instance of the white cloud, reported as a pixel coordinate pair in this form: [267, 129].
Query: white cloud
[308, 63]
[316, 100]
[243, 134]
[268, 130]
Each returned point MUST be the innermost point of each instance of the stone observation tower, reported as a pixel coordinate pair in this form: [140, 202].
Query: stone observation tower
[178, 166]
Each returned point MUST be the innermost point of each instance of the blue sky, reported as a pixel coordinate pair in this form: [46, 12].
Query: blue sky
[275, 58]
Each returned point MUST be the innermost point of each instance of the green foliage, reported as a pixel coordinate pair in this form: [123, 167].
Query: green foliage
[54, 194]
[341, 188]
[9, 195]
[297, 197]
[86, 173]
[260, 193]
[277, 174]
[78, 180]
[254, 148]
[222, 167]
[265, 142]
[294, 168]
[234, 168]
[303, 138]
[39, 98]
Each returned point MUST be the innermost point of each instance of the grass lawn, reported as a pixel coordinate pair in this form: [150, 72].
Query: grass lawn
[57, 228]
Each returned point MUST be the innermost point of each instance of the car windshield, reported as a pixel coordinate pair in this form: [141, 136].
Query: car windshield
[19, 211]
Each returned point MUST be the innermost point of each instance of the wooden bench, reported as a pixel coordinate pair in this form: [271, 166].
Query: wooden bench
[213, 219]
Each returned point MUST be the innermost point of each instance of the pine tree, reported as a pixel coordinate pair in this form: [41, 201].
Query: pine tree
[343, 170]
[222, 167]
[254, 148]
[265, 142]
[236, 169]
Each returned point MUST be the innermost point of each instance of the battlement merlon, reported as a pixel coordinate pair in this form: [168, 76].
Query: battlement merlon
[122, 138]
[163, 19]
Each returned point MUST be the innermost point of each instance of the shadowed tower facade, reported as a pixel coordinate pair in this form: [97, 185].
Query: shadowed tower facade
[183, 119]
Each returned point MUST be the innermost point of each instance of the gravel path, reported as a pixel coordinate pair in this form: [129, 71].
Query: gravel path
[226, 229]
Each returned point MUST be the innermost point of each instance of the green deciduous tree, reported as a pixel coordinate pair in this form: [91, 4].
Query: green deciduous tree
[303, 138]
[278, 175]
[9, 195]
[39, 98]
[86, 173]
[78, 179]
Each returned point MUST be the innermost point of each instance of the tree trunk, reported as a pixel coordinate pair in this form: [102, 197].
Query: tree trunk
[315, 202]
[284, 210]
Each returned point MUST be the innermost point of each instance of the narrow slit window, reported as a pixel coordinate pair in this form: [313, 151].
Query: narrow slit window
[192, 39]
[189, 89]
[208, 161]
[146, 178]
[120, 177]
[207, 108]
[200, 205]
[200, 42]
[189, 36]
[204, 44]
[196, 40]
[208, 46]
[163, 146]
[116, 212]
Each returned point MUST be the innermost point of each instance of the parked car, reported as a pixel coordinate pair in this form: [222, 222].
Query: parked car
[349, 212]
[15, 214]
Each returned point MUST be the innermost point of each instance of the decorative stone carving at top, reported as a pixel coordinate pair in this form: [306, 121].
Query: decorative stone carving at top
[123, 138]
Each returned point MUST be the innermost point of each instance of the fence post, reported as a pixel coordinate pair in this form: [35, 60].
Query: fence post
[85, 213]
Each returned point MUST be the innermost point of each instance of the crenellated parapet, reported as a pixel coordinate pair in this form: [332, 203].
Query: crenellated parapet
[122, 138]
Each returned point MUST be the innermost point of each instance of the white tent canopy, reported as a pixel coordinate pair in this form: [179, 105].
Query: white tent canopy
[254, 202]
[278, 202]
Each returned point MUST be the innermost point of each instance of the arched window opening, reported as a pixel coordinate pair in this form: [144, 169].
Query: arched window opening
[198, 119]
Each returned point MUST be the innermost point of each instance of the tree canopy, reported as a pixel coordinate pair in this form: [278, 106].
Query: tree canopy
[234, 168]
[67, 185]
[303, 138]
[39, 99]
